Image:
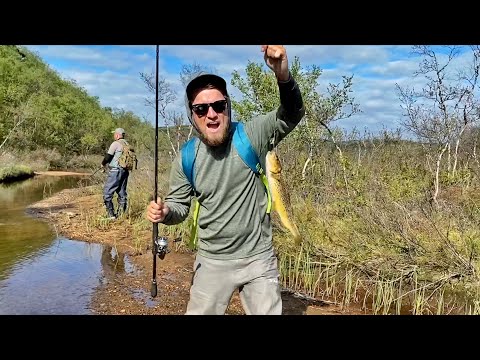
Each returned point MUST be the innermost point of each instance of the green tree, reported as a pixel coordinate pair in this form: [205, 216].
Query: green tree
[260, 94]
[39, 109]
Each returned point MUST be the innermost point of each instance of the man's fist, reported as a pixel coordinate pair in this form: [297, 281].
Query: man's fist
[276, 59]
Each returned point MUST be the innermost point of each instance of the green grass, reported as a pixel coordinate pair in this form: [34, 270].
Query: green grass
[381, 243]
[377, 245]
[15, 172]
[373, 240]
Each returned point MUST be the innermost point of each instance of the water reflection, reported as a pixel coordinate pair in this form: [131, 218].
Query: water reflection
[59, 279]
[21, 234]
[112, 263]
[41, 273]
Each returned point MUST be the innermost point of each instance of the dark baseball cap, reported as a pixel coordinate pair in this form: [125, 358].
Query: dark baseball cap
[202, 79]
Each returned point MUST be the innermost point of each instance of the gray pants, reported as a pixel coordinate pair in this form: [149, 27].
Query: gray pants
[116, 182]
[214, 282]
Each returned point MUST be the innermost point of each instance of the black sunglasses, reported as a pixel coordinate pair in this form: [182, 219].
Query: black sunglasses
[202, 109]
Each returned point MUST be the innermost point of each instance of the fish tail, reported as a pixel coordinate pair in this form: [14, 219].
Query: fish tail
[292, 227]
[297, 237]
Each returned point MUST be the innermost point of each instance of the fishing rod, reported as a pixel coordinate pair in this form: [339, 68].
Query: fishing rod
[159, 245]
[99, 169]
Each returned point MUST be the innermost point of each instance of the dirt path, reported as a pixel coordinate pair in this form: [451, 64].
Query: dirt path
[70, 211]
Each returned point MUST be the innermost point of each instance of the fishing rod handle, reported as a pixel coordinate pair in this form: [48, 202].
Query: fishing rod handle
[153, 289]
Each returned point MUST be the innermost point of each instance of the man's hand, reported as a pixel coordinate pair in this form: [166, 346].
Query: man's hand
[276, 59]
[156, 211]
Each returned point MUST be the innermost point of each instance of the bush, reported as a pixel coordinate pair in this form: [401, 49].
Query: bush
[15, 172]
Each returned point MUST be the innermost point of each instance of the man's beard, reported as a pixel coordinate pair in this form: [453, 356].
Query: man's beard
[217, 141]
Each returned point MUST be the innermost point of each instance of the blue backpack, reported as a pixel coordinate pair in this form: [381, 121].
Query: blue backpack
[246, 153]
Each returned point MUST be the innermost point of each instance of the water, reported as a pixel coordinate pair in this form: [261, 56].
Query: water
[41, 273]
[57, 279]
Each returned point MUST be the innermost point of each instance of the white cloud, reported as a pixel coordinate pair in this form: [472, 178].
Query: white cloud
[112, 72]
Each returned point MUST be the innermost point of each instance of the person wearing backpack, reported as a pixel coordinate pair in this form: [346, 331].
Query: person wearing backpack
[117, 177]
[234, 247]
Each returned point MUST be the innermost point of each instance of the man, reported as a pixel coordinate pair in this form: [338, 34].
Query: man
[235, 249]
[117, 177]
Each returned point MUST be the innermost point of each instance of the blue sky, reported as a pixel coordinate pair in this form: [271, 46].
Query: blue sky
[113, 73]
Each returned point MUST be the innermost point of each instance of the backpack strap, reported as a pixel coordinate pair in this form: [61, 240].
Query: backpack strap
[244, 148]
[250, 157]
[188, 165]
[188, 159]
[192, 242]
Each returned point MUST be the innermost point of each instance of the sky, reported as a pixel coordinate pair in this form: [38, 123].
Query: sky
[113, 73]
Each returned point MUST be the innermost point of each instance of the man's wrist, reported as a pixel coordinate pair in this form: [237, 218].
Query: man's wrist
[284, 78]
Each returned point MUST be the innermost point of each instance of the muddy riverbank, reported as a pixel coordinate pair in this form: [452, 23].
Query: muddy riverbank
[122, 293]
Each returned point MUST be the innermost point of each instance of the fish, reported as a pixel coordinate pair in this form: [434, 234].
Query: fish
[280, 197]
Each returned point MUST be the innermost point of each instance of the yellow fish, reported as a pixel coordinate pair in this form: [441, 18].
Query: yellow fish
[280, 198]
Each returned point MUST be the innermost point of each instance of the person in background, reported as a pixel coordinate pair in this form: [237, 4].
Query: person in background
[117, 177]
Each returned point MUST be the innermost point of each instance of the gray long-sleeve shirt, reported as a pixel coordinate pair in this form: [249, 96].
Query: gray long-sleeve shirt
[233, 222]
